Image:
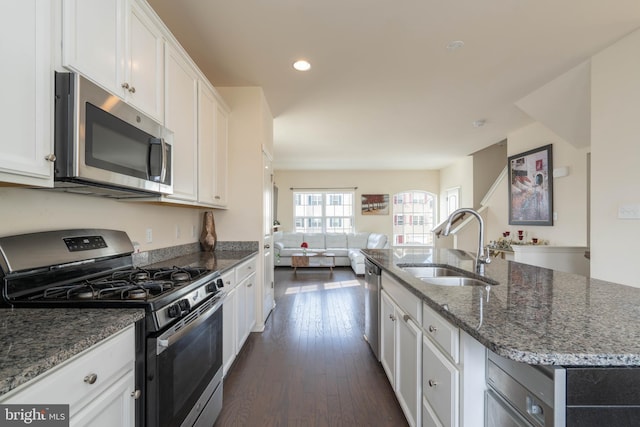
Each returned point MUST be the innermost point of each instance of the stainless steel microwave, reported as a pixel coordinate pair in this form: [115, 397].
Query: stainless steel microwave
[103, 146]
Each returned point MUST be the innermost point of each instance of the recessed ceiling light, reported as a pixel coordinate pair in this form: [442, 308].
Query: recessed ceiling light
[455, 45]
[302, 65]
[479, 123]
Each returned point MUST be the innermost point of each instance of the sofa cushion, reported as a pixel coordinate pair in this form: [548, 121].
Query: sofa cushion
[357, 240]
[291, 240]
[376, 241]
[334, 240]
[315, 241]
[338, 252]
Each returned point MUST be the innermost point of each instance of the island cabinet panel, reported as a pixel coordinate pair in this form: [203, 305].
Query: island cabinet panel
[603, 396]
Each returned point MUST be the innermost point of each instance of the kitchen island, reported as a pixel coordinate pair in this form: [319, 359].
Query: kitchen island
[532, 314]
[571, 343]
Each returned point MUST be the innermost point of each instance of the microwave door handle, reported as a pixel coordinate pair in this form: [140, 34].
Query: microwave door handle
[163, 174]
[152, 142]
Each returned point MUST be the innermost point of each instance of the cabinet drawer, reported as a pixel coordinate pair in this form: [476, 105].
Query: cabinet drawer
[229, 281]
[245, 269]
[109, 360]
[406, 300]
[441, 332]
[440, 383]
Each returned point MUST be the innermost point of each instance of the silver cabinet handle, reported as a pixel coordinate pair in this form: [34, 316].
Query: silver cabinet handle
[432, 383]
[91, 378]
[163, 343]
[432, 328]
[50, 157]
[392, 317]
[267, 246]
[125, 85]
[136, 394]
[249, 285]
[132, 89]
[406, 317]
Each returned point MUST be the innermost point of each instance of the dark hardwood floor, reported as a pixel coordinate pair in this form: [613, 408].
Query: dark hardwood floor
[311, 365]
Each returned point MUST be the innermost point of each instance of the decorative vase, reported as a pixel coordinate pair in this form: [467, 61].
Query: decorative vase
[208, 237]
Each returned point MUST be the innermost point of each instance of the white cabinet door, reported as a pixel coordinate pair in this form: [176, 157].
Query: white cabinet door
[115, 44]
[207, 111]
[440, 384]
[241, 316]
[113, 407]
[409, 366]
[388, 336]
[222, 140]
[229, 326]
[144, 66]
[26, 103]
[182, 118]
[251, 285]
[93, 34]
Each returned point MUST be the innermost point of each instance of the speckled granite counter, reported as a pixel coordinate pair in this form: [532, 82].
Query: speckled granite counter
[215, 261]
[533, 315]
[35, 340]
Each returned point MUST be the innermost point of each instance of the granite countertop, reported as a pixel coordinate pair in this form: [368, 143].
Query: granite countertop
[532, 315]
[35, 340]
[214, 261]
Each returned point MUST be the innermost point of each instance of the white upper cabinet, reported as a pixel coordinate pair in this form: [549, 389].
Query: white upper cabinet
[182, 118]
[26, 105]
[117, 45]
[212, 148]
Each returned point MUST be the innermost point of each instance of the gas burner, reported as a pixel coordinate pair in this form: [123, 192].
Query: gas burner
[84, 293]
[180, 276]
[140, 276]
[137, 293]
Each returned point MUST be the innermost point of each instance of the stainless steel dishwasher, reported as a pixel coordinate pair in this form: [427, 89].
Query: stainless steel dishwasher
[372, 285]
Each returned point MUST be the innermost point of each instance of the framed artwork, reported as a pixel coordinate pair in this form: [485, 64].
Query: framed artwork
[375, 204]
[531, 187]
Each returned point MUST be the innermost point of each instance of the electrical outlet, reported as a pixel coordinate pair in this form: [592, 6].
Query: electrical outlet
[177, 231]
[149, 235]
[629, 211]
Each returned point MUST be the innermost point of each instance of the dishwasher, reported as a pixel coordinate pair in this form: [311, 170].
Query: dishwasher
[372, 285]
[521, 395]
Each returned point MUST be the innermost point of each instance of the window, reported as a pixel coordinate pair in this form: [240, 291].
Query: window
[413, 218]
[323, 212]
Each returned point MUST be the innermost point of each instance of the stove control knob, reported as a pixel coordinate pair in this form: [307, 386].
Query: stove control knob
[212, 287]
[173, 310]
[184, 304]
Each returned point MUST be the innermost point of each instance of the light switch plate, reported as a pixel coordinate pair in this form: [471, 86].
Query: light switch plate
[629, 211]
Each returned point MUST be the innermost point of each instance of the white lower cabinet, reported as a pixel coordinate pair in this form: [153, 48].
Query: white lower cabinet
[97, 384]
[401, 357]
[238, 310]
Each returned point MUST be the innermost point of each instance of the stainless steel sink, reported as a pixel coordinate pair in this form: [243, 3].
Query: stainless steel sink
[455, 281]
[443, 276]
[423, 272]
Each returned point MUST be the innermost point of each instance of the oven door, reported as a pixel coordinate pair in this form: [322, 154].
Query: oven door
[184, 370]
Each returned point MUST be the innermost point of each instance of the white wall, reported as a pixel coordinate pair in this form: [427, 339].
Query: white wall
[368, 182]
[458, 174]
[615, 157]
[25, 211]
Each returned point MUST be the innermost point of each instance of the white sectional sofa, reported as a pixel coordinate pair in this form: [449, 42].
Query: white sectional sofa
[345, 246]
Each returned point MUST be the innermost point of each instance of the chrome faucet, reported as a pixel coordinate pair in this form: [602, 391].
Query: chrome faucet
[482, 257]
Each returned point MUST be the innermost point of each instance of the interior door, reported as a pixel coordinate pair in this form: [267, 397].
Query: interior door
[268, 285]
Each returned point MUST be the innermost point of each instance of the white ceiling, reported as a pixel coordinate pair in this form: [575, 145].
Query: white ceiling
[384, 92]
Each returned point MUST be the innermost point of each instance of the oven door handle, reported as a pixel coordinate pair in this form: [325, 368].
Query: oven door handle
[170, 337]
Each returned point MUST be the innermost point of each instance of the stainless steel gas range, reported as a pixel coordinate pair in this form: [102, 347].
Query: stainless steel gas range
[179, 348]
